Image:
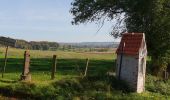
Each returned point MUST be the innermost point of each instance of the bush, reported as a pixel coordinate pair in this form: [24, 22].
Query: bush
[156, 85]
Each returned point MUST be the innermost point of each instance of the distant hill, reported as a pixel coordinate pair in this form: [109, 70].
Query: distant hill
[93, 44]
[45, 45]
[34, 45]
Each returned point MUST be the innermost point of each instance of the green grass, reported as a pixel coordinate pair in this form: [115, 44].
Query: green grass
[69, 83]
[18, 53]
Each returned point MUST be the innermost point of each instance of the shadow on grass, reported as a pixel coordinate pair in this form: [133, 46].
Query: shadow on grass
[96, 80]
[97, 85]
[45, 65]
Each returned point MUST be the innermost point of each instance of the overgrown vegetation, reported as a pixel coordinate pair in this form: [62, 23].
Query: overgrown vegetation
[69, 83]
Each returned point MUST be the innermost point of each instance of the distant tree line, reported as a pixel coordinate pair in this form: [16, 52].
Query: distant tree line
[34, 45]
[45, 45]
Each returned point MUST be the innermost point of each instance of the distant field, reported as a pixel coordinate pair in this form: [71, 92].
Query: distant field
[18, 53]
[69, 83]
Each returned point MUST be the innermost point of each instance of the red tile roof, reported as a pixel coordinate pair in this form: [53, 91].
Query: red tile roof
[131, 42]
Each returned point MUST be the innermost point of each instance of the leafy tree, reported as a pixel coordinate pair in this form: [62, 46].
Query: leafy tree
[45, 47]
[149, 16]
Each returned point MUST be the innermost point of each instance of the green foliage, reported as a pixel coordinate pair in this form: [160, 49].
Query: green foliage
[153, 19]
[42, 45]
[94, 10]
[22, 44]
[150, 17]
[156, 85]
[99, 88]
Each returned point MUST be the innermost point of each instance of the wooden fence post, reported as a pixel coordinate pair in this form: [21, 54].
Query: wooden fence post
[87, 64]
[26, 76]
[5, 62]
[53, 67]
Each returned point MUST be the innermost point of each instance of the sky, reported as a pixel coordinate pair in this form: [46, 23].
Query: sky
[47, 20]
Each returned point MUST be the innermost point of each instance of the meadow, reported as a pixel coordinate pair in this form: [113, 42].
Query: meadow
[69, 82]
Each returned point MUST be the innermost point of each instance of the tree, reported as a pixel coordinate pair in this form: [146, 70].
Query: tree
[149, 16]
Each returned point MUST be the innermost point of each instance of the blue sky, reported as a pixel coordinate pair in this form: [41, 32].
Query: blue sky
[47, 20]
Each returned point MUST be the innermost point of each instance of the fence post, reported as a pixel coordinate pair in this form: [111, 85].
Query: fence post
[26, 76]
[53, 67]
[5, 62]
[87, 64]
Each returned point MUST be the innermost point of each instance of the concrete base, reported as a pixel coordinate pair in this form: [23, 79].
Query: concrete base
[26, 77]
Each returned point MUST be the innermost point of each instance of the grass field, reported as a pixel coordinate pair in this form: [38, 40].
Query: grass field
[69, 83]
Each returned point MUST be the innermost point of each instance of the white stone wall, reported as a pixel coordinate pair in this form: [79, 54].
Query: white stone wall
[141, 70]
[129, 70]
[141, 75]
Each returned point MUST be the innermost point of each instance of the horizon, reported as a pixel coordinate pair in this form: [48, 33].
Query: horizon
[44, 20]
[64, 42]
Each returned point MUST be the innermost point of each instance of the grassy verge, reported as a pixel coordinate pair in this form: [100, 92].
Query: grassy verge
[69, 83]
[98, 88]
